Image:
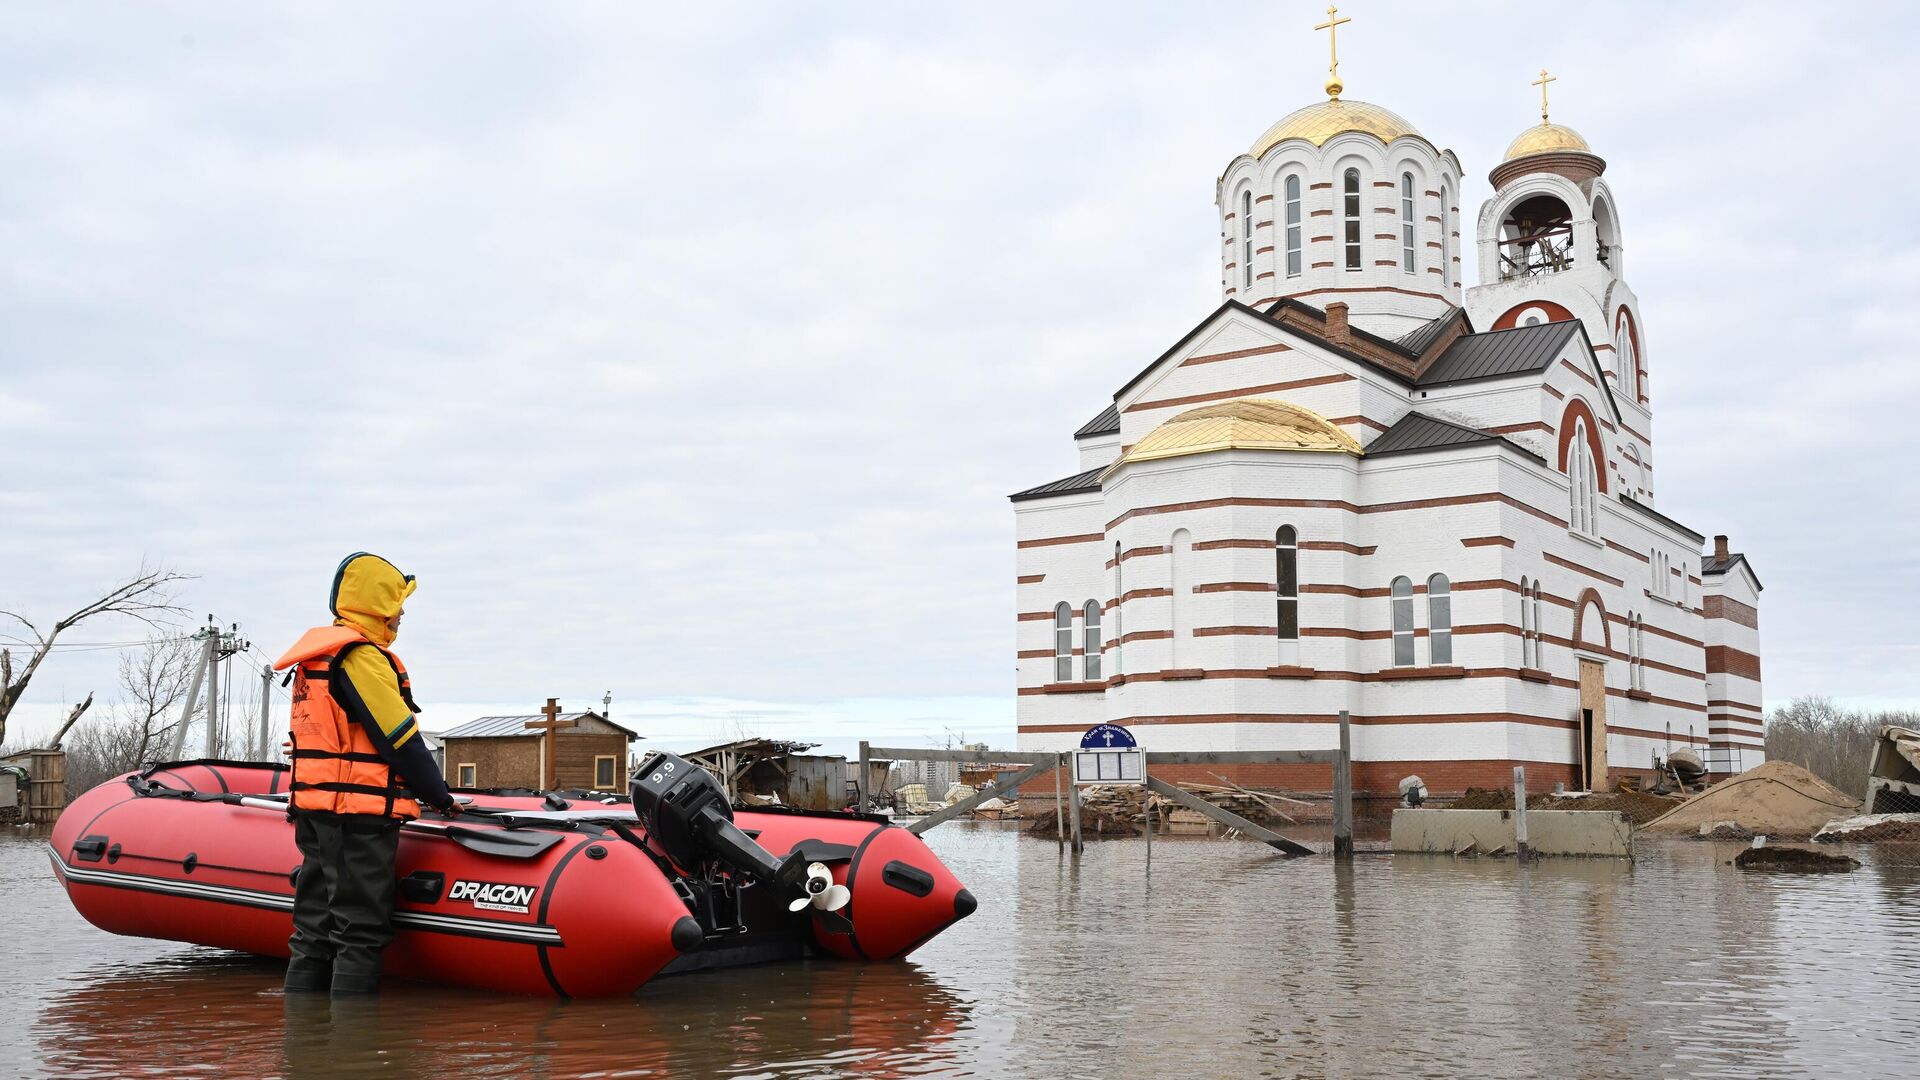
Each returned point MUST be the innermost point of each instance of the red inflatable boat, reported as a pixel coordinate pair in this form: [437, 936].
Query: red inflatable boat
[558, 894]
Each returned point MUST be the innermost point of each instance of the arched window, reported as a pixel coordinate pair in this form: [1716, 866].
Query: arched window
[1439, 621]
[1286, 579]
[1351, 206]
[1246, 237]
[1293, 226]
[1119, 611]
[1583, 492]
[1402, 622]
[1636, 653]
[1063, 643]
[1626, 358]
[1090, 641]
[1526, 628]
[1539, 639]
[1446, 234]
[1180, 579]
[1406, 222]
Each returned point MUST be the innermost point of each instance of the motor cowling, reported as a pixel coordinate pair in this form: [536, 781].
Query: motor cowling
[684, 808]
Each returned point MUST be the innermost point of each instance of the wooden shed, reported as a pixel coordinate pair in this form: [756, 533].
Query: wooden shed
[503, 752]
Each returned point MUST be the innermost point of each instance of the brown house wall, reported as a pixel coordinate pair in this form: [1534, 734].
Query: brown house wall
[497, 762]
[573, 761]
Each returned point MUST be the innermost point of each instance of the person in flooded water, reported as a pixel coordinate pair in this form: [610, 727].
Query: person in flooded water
[360, 769]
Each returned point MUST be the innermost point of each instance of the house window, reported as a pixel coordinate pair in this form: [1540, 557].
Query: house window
[603, 770]
[1406, 222]
[468, 777]
[1526, 629]
[1090, 638]
[1439, 620]
[1402, 622]
[1293, 226]
[1246, 237]
[1287, 582]
[1351, 205]
[1063, 643]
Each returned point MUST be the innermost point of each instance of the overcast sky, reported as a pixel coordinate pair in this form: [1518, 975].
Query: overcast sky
[690, 351]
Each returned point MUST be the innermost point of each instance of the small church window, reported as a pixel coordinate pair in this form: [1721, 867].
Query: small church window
[1246, 237]
[1119, 610]
[1402, 622]
[1091, 640]
[1538, 639]
[1526, 628]
[1287, 581]
[1439, 620]
[1063, 643]
[1351, 203]
[1582, 483]
[1293, 226]
[1626, 357]
[1447, 228]
[1406, 222]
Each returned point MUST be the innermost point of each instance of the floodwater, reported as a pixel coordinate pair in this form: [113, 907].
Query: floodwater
[1224, 960]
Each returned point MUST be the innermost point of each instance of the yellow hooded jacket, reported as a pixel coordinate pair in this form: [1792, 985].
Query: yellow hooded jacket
[369, 708]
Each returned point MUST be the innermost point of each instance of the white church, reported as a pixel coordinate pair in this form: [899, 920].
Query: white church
[1362, 484]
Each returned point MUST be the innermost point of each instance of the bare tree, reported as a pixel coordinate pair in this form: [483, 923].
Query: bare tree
[73, 718]
[153, 683]
[148, 597]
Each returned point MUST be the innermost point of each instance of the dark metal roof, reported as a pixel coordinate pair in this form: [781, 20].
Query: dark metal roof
[1711, 565]
[1656, 515]
[1107, 423]
[1417, 431]
[1427, 333]
[506, 727]
[1498, 353]
[1072, 485]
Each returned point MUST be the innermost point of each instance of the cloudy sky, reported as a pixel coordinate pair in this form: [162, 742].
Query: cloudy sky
[690, 351]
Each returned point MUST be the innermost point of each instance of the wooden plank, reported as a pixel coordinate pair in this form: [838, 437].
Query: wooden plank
[1227, 817]
[1073, 801]
[978, 757]
[861, 804]
[1240, 757]
[1520, 811]
[985, 793]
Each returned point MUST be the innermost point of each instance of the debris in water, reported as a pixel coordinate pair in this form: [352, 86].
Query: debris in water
[1796, 859]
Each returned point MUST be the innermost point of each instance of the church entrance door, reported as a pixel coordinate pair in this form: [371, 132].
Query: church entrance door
[1591, 754]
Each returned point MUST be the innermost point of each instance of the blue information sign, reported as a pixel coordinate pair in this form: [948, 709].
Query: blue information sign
[1107, 737]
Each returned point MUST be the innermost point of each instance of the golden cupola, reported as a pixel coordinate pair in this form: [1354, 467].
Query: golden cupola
[1548, 147]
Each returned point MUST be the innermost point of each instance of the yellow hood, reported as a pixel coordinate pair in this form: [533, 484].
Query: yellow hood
[367, 591]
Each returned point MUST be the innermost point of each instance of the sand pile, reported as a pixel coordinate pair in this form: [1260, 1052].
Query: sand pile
[1778, 799]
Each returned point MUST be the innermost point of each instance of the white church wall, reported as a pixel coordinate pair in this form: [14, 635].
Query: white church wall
[1097, 452]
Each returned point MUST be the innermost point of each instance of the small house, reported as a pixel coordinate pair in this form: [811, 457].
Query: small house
[590, 753]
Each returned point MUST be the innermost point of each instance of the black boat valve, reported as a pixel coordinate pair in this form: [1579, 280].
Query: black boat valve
[686, 810]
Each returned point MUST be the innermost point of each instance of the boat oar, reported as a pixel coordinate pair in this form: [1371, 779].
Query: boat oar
[495, 842]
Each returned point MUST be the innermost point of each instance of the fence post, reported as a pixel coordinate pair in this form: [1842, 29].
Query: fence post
[860, 781]
[1073, 802]
[1059, 802]
[1343, 792]
[1520, 847]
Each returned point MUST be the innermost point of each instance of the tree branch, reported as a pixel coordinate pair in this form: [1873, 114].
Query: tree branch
[72, 719]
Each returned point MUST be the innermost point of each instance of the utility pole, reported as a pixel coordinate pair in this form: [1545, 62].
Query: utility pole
[216, 646]
[262, 746]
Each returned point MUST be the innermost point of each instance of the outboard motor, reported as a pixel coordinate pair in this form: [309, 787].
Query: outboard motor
[684, 808]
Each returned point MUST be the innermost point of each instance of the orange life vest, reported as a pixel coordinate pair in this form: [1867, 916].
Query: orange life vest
[335, 765]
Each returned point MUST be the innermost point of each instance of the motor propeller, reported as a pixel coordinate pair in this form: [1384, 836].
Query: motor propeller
[821, 893]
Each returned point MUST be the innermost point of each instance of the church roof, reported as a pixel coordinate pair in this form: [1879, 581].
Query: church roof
[1076, 484]
[1242, 424]
[1107, 423]
[1495, 353]
[1322, 120]
[1418, 431]
[1416, 341]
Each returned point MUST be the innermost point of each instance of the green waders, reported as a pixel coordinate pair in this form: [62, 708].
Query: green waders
[342, 901]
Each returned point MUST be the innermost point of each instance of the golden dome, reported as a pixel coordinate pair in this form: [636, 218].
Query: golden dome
[1545, 138]
[1320, 122]
[1245, 424]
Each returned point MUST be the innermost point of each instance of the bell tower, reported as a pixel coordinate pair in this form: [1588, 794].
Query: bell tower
[1550, 248]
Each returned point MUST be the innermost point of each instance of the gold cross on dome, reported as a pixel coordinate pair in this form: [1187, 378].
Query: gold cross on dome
[1332, 27]
[1542, 82]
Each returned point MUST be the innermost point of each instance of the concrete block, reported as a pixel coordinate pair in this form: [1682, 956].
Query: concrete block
[1605, 833]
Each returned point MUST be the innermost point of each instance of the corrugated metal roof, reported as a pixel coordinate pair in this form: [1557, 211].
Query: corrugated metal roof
[1496, 353]
[503, 727]
[1628, 500]
[1416, 431]
[1072, 485]
[1107, 423]
[1711, 565]
[1427, 333]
